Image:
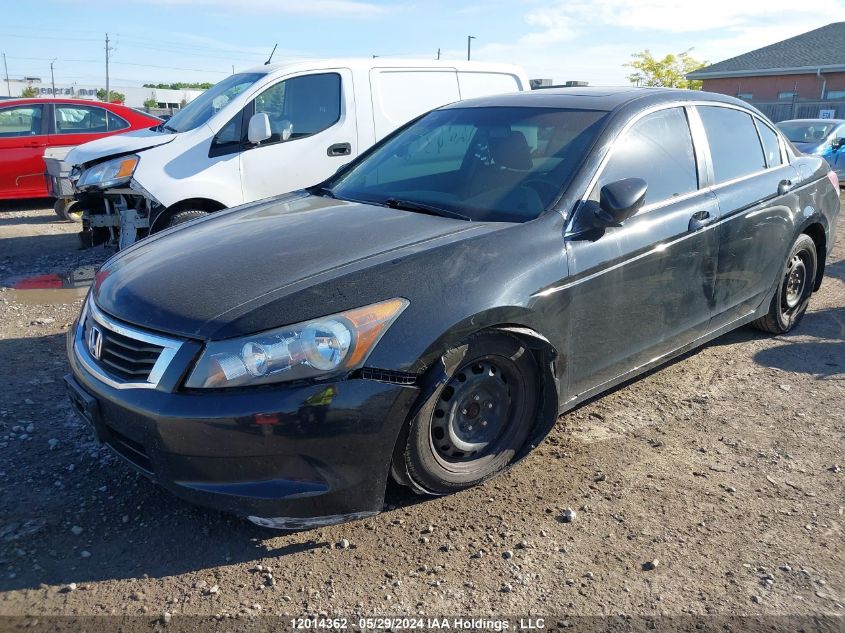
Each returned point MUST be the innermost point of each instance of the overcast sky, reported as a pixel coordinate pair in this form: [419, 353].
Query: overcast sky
[200, 40]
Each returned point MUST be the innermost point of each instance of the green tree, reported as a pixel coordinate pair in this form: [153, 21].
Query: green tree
[113, 95]
[29, 92]
[150, 103]
[669, 72]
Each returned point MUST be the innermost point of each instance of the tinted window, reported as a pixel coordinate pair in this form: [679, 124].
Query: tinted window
[301, 106]
[80, 119]
[491, 164]
[657, 148]
[734, 144]
[20, 121]
[770, 144]
[806, 131]
[116, 123]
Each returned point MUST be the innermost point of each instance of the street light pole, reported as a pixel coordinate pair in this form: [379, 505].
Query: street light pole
[8, 83]
[53, 77]
[469, 45]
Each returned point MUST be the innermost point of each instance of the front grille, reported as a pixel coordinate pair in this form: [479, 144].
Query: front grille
[388, 375]
[124, 357]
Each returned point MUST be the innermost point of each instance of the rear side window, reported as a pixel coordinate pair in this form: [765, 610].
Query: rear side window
[658, 149]
[771, 147]
[734, 144]
[116, 123]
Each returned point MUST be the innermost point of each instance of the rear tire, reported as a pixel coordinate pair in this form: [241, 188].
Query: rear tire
[474, 425]
[185, 216]
[793, 294]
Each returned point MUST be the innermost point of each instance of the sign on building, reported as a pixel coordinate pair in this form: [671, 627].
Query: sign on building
[827, 114]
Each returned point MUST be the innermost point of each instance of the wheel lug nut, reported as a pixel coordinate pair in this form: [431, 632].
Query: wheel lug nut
[489, 405]
[463, 411]
[469, 427]
[476, 397]
[484, 423]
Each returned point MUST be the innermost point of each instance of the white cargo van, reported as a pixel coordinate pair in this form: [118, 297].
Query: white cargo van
[262, 132]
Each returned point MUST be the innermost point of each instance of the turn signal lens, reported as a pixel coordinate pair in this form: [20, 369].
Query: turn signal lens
[834, 180]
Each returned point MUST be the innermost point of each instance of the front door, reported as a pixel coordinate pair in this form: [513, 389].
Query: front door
[638, 291]
[23, 137]
[312, 120]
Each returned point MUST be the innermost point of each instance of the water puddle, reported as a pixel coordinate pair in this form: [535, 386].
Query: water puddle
[54, 288]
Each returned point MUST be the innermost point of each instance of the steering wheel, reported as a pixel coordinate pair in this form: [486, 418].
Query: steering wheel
[545, 189]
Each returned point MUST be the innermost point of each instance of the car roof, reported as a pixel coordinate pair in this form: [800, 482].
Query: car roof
[594, 98]
[370, 63]
[71, 100]
[808, 121]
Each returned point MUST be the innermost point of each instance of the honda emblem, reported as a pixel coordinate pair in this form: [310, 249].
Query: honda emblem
[95, 342]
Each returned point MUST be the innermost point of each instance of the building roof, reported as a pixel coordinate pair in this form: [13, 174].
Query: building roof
[821, 49]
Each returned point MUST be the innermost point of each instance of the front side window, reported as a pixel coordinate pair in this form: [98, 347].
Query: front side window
[734, 144]
[807, 131]
[301, 106]
[503, 164]
[770, 144]
[657, 148]
[84, 119]
[20, 121]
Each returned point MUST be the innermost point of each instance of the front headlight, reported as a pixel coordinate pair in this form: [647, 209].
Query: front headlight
[109, 173]
[320, 348]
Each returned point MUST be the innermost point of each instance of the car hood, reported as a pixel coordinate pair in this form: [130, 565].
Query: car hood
[127, 143]
[196, 279]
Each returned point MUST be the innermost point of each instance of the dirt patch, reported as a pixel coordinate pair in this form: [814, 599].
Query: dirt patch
[710, 486]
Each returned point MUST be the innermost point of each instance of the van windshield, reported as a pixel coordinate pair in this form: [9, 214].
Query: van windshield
[211, 102]
[494, 164]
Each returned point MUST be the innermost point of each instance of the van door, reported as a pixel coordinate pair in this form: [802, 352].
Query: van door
[314, 132]
[401, 94]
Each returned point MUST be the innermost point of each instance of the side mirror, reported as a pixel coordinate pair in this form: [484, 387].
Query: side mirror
[259, 128]
[838, 143]
[619, 200]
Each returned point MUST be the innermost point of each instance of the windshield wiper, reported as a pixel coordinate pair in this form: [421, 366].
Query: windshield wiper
[321, 190]
[410, 205]
[164, 126]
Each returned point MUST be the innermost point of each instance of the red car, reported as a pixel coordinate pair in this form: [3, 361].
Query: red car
[29, 126]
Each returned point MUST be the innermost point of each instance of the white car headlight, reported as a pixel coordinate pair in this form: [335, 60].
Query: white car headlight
[320, 348]
[109, 173]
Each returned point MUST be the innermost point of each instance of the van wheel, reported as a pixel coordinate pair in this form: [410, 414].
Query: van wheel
[185, 216]
[475, 424]
[793, 294]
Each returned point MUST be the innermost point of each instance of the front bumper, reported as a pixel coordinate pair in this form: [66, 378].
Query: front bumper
[284, 456]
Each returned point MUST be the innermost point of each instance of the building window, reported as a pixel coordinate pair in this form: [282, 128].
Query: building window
[836, 94]
[786, 95]
[745, 95]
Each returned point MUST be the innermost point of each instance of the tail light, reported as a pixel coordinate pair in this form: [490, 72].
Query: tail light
[834, 179]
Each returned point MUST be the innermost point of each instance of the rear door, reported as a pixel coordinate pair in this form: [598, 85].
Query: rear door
[641, 290]
[314, 132]
[23, 137]
[751, 178]
[77, 123]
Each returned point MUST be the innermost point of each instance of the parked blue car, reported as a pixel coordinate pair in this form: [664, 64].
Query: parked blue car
[822, 137]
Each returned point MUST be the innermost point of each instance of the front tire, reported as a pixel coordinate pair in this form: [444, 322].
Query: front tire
[474, 425]
[793, 294]
[185, 216]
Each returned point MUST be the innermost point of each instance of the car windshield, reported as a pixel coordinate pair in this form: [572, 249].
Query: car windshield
[503, 164]
[806, 131]
[211, 102]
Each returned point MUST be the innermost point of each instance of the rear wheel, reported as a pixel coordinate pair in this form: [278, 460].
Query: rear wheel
[793, 294]
[475, 424]
[186, 216]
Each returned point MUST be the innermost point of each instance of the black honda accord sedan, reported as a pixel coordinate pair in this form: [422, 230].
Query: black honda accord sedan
[426, 313]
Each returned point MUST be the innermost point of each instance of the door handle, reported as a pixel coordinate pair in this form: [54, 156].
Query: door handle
[339, 149]
[32, 144]
[701, 219]
[784, 186]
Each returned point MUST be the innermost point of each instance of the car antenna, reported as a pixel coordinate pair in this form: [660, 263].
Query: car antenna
[267, 63]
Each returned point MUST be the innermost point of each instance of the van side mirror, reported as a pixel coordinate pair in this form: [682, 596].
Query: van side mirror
[259, 128]
[838, 143]
[619, 200]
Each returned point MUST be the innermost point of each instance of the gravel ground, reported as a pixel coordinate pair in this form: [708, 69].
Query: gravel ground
[711, 487]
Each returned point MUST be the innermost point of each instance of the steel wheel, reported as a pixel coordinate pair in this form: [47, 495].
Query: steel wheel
[472, 427]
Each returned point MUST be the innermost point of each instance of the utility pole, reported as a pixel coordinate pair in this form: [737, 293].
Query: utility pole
[52, 76]
[438, 53]
[469, 45]
[108, 50]
[6, 68]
